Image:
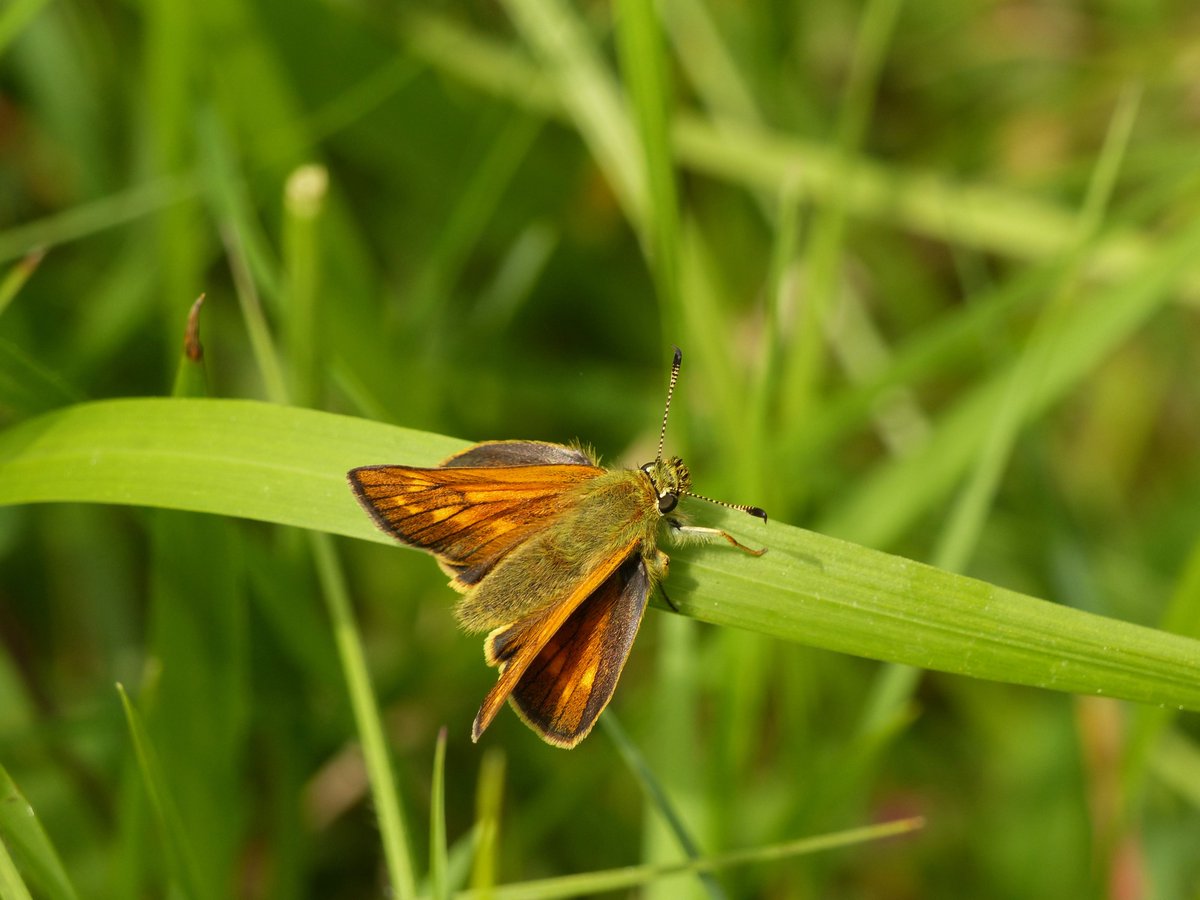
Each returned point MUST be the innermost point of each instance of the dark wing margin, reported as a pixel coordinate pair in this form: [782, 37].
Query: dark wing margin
[573, 674]
[518, 453]
[522, 642]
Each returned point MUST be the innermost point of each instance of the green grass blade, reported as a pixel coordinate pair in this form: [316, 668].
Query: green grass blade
[1149, 724]
[304, 201]
[982, 216]
[704, 56]
[586, 88]
[394, 831]
[286, 465]
[1176, 762]
[15, 17]
[675, 714]
[18, 274]
[22, 836]
[488, 797]
[644, 67]
[237, 247]
[244, 458]
[232, 207]
[656, 796]
[438, 855]
[332, 577]
[27, 386]
[823, 254]
[592, 883]
[898, 491]
[11, 885]
[963, 527]
[965, 524]
[821, 591]
[199, 718]
[180, 860]
[947, 345]
[515, 278]
[357, 101]
[196, 632]
[478, 201]
[86, 219]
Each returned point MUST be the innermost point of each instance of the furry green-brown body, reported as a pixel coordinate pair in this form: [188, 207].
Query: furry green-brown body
[598, 517]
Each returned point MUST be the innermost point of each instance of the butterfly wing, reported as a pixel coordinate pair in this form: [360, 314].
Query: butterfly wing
[559, 668]
[478, 505]
[519, 453]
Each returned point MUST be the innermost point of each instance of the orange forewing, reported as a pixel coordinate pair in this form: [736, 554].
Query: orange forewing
[470, 516]
[517, 647]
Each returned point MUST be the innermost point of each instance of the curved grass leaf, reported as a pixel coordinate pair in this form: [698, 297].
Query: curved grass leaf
[286, 465]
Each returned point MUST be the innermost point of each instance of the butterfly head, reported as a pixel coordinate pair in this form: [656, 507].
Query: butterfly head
[670, 478]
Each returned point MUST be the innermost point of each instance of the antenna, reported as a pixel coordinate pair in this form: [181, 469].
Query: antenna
[662, 435]
[752, 510]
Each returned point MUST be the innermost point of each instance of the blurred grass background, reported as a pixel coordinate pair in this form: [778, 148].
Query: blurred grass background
[933, 267]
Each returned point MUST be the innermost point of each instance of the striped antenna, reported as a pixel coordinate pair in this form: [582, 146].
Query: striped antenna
[662, 435]
[752, 510]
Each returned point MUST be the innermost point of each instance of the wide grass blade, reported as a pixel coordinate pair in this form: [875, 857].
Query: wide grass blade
[286, 465]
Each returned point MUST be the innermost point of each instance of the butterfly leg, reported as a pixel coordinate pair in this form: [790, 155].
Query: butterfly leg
[666, 599]
[699, 532]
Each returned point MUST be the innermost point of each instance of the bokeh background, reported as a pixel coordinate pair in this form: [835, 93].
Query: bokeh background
[872, 211]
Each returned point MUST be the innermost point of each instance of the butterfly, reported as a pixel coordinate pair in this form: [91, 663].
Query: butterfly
[555, 557]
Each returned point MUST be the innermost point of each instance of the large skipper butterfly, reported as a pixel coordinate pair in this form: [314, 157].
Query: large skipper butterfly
[555, 556]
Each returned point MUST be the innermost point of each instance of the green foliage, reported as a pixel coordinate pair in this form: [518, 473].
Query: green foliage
[933, 270]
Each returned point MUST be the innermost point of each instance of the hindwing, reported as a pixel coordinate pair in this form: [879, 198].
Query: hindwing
[559, 668]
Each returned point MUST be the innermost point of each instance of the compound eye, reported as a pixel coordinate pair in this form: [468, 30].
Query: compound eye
[666, 503]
